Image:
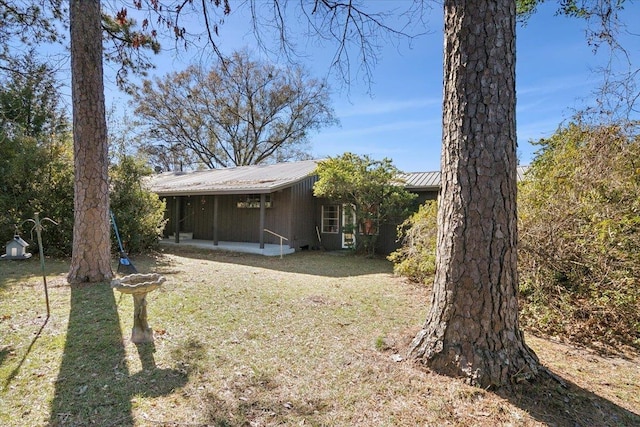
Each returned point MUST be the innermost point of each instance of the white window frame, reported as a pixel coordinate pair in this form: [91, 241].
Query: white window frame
[349, 239]
[330, 224]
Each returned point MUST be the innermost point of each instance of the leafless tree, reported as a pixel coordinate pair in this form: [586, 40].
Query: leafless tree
[241, 112]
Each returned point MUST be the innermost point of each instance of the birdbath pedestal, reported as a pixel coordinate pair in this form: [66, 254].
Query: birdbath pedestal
[139, 285]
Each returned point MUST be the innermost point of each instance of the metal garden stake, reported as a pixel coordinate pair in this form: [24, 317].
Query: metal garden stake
[38, 227]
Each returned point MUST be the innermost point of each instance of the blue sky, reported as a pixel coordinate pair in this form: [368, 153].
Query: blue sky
[399, 115]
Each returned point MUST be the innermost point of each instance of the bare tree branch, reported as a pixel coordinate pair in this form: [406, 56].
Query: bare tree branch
[240, 113]
[617, 97]
[355, 31]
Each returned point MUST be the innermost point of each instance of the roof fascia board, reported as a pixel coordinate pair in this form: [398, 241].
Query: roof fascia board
[266, 190]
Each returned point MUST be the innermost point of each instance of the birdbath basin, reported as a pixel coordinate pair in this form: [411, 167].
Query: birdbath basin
[139, 285]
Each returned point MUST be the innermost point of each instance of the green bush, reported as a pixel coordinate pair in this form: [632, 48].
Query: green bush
[370, 186]
[416, 258]
[56, 199]
[579, 214]
[139, 213]
[36, 170]
[37, 177]
[36, 157]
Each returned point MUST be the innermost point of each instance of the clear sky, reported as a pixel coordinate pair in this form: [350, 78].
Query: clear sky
[401, 116]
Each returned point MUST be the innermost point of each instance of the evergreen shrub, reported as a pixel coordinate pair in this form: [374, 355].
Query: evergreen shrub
[579, 231]
[415, 259]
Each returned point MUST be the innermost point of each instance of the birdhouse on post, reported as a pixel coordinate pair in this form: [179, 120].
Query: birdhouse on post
[16, 249]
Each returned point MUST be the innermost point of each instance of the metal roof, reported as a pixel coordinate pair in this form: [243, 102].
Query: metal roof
[521, 171]
[255, 179]
[421, 180]
[431, 180]
[259, 179]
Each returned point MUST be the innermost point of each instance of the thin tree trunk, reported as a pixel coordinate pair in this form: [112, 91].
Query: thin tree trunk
[90, 261]
[472, 329]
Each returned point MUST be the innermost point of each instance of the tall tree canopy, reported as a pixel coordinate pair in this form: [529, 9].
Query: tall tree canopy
[241, 112]
[36, 173]
[30, 99]
[26, 24]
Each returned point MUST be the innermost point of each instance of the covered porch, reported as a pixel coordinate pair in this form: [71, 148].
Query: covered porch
[242, 247]
[248, 209]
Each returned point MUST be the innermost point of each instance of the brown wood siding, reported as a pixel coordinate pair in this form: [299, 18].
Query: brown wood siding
[303, 215]
[169, 206]
[330, 241]
[234, 224]
[240, 224]
[189, 213]
[169, 228]
[387, 239]
[203, 218]
[188, 208]
[278, 218]
[294, 214]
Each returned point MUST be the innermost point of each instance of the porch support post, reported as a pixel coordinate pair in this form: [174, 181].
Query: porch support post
[292, 200]
[176, 218]
[215, 220]
[263, 212]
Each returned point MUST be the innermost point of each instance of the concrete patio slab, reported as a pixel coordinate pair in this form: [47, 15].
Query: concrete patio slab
[243, 247]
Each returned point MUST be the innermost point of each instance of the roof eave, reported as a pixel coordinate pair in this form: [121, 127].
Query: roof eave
[227, 192]
[423, 188]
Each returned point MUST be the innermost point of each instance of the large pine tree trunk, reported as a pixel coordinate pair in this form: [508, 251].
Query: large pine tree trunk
[90, 261]
[472, 328]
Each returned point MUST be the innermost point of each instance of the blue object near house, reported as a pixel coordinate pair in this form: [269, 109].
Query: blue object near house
[16, 249]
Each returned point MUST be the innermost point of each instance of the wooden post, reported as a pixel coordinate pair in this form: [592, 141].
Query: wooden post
[263, 213]
[176, 217]
[215, 220]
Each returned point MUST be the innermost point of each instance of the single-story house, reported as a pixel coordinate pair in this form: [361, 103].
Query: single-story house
[269, 205]
[261, 204]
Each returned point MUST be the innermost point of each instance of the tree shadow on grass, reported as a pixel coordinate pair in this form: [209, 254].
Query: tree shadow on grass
[557, 402]
[4, 352]
[8, 350]
[19, 271]
[94, 386]
[315, 263]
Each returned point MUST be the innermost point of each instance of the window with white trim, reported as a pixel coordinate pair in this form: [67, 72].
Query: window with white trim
[330, 218]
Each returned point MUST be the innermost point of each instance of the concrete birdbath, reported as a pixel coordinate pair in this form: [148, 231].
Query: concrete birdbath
[139, 285]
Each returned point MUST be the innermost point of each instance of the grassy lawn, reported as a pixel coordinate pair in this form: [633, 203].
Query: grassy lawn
[314, 339]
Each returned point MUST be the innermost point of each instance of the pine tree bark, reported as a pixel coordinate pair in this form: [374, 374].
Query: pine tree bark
[90, 261]
[472, 329]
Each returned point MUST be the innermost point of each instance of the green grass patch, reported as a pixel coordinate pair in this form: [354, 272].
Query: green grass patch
[242, 340]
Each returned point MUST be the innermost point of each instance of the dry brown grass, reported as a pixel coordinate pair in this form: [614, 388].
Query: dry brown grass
[241, 340]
